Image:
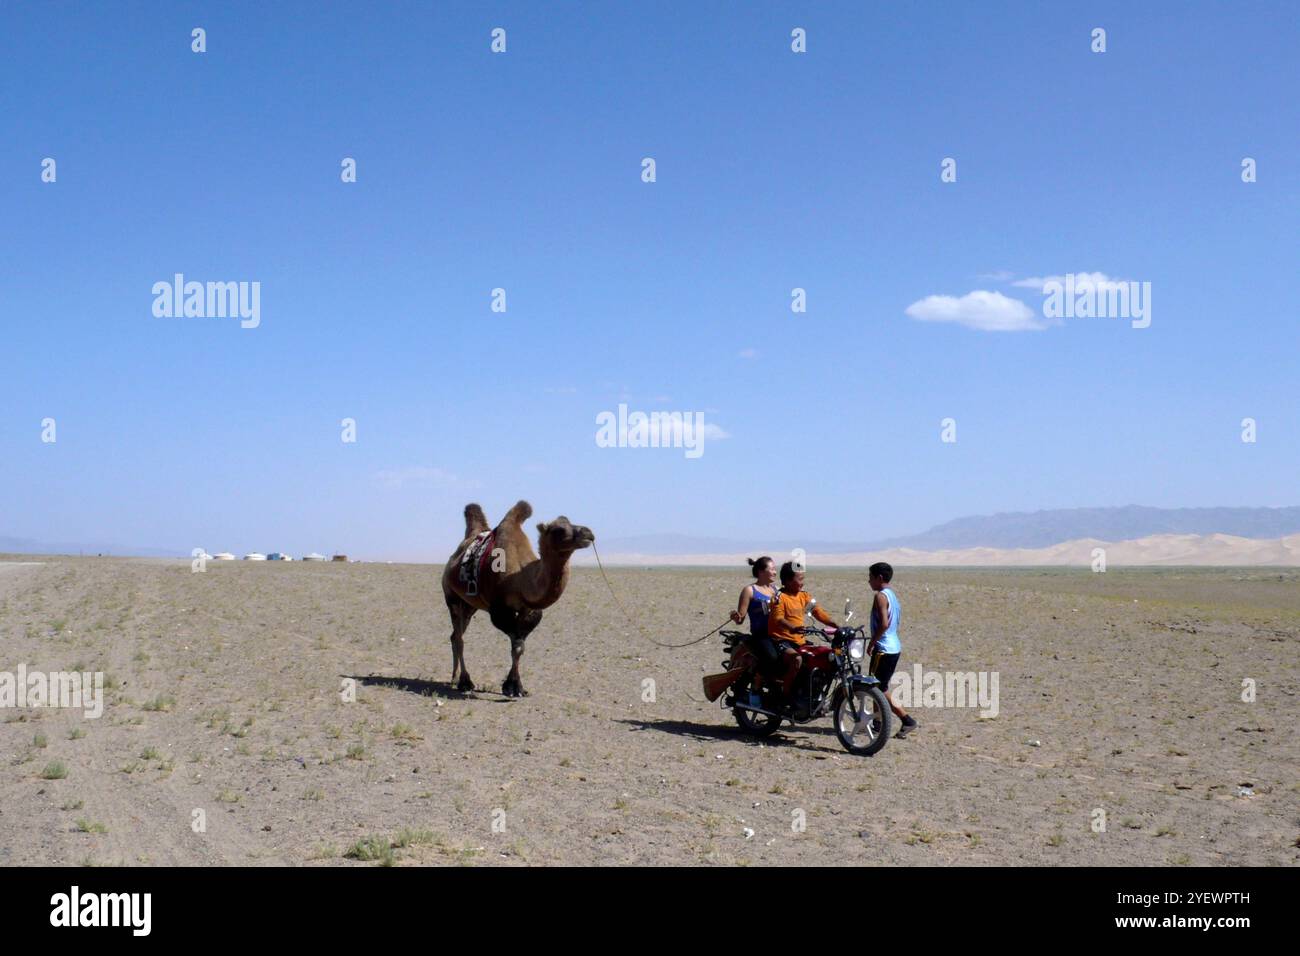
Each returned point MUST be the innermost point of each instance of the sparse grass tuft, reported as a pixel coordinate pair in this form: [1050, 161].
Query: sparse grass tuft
[408, 837]
[376, 849]
[404, 732]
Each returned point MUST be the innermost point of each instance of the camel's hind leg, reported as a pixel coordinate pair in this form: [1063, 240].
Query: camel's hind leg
[460, 612]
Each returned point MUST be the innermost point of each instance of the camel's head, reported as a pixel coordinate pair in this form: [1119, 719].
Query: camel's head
[561, 535]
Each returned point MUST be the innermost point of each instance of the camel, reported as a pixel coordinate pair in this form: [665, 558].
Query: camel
[513, 585]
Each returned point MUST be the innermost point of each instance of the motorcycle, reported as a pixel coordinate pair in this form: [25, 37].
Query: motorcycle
[829, 681]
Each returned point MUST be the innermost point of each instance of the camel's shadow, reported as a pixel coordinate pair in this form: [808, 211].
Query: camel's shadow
[426, 688]
[687, 728]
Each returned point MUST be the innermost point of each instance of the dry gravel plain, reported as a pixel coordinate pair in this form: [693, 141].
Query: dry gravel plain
[1120, 691]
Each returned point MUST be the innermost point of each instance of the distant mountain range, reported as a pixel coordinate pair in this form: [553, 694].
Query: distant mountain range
[1041, 529]
[1167, 550]
[1008, 530]
[1016, 529]
[700, 544]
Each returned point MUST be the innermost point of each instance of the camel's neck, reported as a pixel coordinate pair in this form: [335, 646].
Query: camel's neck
[545, 579]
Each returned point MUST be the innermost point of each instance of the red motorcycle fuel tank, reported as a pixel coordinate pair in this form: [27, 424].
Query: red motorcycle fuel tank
[817, 656]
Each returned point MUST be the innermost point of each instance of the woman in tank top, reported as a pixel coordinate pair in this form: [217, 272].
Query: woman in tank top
[755, 598]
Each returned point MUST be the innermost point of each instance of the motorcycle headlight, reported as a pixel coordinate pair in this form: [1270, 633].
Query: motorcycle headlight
[857, 648]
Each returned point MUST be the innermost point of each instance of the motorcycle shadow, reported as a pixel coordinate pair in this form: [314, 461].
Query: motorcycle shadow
[785, 737]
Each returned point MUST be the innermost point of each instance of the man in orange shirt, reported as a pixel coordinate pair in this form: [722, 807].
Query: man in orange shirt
[785, 617]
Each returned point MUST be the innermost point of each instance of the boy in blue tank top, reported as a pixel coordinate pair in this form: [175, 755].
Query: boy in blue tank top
[886, 646]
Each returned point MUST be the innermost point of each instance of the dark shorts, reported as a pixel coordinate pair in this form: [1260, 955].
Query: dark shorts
[882, 667]
[769, 653]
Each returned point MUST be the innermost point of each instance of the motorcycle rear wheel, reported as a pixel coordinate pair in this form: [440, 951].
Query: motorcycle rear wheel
[866, 736]
[756, 725]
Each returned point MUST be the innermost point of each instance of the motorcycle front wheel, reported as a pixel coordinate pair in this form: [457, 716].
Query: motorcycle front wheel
[867, 734]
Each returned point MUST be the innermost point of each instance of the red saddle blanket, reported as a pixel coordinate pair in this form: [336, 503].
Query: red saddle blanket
[473, 560]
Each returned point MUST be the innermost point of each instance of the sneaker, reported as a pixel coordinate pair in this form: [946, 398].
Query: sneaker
[908, 725]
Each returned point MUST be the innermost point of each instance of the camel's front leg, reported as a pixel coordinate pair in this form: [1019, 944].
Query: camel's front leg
[525, 622]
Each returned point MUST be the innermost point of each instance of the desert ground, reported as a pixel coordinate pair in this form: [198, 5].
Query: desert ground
[1120, 692]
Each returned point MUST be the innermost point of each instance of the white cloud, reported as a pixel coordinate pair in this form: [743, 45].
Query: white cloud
[1082, 280]
[982, 310]
[676, 429]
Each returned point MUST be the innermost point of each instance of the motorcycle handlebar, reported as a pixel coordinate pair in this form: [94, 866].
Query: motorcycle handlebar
[842, 631]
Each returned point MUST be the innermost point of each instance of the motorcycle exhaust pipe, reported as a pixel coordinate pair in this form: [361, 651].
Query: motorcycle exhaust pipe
[755, 710]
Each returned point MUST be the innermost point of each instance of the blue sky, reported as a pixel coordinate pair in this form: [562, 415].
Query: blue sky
[522, 170]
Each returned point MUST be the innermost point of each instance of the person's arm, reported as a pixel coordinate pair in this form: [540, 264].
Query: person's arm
[879, 621]
[738, 615]
[821, 615]
[776, 624]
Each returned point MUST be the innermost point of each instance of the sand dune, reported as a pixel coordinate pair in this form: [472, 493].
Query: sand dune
[1156, 550]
